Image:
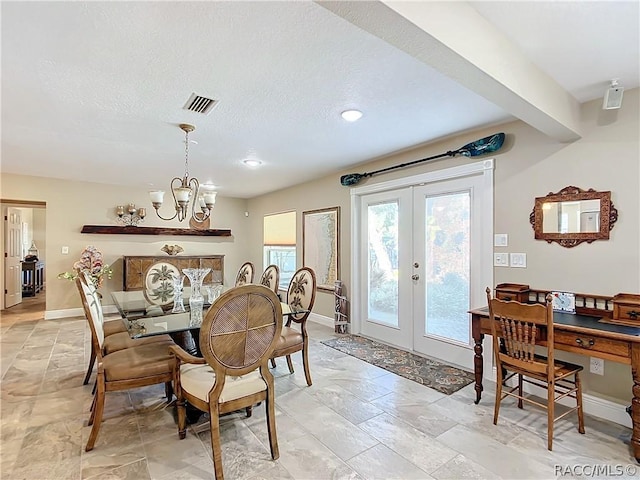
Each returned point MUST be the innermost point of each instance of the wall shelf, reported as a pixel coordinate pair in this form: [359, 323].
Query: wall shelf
[131, 230]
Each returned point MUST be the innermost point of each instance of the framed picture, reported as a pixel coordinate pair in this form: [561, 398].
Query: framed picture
[320, 245]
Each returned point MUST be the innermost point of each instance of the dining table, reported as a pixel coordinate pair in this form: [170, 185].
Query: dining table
[144, 317]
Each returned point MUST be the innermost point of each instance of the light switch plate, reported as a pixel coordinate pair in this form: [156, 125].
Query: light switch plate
[500, 240]
[65, 250]
[500, 259]
[519, 260]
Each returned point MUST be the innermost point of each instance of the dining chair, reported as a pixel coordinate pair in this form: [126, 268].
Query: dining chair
[301, 295]
[517, 327]
[245, 274]
[116, 337]
[138, 366]
[237, 337]
[271, 278]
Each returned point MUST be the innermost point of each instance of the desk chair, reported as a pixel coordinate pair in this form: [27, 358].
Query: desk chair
[133, 367]
[237, 337]
[300, 295]
[245, 274]
[518, 326]
[271, 278]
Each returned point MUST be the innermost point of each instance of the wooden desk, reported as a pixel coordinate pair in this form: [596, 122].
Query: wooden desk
[584, 335]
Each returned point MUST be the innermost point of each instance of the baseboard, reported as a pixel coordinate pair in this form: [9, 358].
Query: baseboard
[75, 312]
[322, 320]
[598, 407]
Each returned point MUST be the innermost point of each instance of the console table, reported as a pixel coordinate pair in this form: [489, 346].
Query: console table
[583, 333]
[32, 278]
[135, 267]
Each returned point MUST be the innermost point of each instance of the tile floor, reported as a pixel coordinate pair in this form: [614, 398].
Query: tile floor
[357, 421]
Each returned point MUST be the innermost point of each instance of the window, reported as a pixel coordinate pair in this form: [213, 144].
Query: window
[280, 245]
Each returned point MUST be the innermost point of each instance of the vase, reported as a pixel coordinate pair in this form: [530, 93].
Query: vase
[213, 291]
[196, 300]
[178, 303]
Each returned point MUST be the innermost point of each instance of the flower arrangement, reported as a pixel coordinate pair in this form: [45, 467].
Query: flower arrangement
[91, 260]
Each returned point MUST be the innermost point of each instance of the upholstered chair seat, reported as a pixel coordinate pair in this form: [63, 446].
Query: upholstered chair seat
[120, 341]
[290, 337]
[113, 326]
[197, 379]
[138, 363]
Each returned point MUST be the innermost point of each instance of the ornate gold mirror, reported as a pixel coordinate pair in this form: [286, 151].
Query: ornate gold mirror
[573, 216]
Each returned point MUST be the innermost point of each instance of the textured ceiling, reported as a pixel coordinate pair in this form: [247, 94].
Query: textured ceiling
[94, 90]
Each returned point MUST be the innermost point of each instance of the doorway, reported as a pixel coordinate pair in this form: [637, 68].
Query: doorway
[24, 238]
[425, 249]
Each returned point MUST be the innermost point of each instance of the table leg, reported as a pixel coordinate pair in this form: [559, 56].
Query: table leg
[635, 403]
[478, 337]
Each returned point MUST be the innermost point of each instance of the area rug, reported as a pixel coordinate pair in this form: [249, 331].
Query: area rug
[431, 373]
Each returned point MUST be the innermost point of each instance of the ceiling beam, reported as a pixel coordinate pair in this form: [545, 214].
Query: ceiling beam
[454, 39]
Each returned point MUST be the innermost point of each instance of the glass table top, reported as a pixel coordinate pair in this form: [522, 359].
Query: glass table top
[144, 318]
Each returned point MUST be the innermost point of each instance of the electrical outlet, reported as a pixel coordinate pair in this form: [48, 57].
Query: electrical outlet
[500, 259]
[65, 250]
[596, 365]
[519, 260]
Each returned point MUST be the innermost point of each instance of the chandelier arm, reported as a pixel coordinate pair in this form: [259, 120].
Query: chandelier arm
[201, 216]
[175, 202]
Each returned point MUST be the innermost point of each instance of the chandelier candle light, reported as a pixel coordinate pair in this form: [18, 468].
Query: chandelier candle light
[185, 190]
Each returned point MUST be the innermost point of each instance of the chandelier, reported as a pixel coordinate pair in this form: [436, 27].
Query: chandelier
[184, 190]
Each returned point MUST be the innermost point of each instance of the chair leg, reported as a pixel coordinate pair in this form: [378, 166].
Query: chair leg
[579, 402]
[92, 360]
[93, 405]
[271, 423]
[496, 408]
[96, 415]
[551, 403]
[249, 411]
[289, 363]
[520, 390]
[273, 363]
[95, 385]
[168, 391]
[181, 405]
[214, 420]
[305, 364]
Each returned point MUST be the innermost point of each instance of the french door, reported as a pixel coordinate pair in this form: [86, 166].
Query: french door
[424, 261]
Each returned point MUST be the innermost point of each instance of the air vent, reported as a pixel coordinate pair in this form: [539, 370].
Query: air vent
[200, 104]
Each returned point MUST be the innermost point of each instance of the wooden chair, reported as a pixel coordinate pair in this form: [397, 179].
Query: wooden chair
[301, 295]
[517, 327]
[271, 278]
[245, 274]
[133, 367]
[110, 327]
[237, 337]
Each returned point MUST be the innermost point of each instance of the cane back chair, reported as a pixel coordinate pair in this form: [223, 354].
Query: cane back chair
[237, 337]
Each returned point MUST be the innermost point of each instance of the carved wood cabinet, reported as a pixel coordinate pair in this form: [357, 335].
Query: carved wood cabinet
[135, 268]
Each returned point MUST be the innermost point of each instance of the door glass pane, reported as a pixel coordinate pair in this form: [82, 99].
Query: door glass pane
[383, 263]
[447, 266]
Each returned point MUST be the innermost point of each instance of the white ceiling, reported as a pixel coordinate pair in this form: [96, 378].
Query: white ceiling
[94, 90]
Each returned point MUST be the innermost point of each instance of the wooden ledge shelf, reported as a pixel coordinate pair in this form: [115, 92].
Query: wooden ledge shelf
[131, 230]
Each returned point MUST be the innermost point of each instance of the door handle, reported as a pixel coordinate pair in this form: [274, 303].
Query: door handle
[415, 277]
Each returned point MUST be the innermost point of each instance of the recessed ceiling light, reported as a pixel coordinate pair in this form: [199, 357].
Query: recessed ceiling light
[252, 162]
[351, 115]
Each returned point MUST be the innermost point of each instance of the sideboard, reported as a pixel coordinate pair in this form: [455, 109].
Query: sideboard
[135, 267]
